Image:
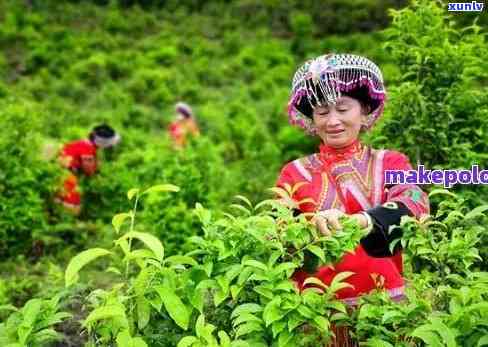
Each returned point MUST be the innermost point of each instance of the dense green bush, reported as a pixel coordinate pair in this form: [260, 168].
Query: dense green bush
[27, 182]
[67, 66]
[446, 292]
[33, 324]
[236, 281]
[240, 265]
[281, 17]
[438, 113]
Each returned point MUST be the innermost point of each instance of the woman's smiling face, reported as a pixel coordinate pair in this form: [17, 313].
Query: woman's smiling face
[339, 125]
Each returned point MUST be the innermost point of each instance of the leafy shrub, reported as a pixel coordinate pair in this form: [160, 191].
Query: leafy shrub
[74, 64]
[240, 268]
[436, 114]
[26, 181]
[445, 294]
[449, 244]
[241, 264]
[33, 324]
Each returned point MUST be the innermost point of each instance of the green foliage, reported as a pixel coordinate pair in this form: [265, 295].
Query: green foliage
[81, 260]
[446, 302]
[26, 181]
[109, 320]
[168, 217]
[33, 325]
[103, 69]
[223, 279]
[22, 280]
[450, 243]
[447, 315]
[204, 337]
[242, 263]
[331, 17]
[437, 114]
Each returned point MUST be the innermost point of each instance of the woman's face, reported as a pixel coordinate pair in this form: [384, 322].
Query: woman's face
[339, 125]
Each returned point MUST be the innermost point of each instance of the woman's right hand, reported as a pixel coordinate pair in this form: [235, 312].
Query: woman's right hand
[328, 221]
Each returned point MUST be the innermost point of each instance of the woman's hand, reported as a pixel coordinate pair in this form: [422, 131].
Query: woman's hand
[328, 221]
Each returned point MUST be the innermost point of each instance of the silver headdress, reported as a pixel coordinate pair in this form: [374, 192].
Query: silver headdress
[184, 109]
[321, 81]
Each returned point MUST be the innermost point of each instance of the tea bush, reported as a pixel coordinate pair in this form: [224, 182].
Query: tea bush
[437, 114]
[240, 268]
[26, 181]
[241, 263]
[222, 279]
[32, 325]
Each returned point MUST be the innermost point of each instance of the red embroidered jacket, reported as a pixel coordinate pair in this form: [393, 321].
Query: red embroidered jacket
[352, 180]
[179, 130]
[70, 158]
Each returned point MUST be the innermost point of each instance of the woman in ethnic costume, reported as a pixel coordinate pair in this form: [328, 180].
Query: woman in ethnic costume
[80, 157]
[336, 97]
[183, 125]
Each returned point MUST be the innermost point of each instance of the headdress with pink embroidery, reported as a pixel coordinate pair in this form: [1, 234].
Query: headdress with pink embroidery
[323, 80]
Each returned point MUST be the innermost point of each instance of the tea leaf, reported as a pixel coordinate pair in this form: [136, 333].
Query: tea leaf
[80, 260]
[246, 308]
[132, 192]
[151, 241]
[174, 306]
[477, 212]
[106, 312]
[245, 200]
[187, 341]
[272, 311]
[119, 219]
[161, 188]
[181, 259]
[319, 252]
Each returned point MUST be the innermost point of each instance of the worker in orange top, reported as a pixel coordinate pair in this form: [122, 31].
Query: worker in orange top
[183, 125]
[80, 158]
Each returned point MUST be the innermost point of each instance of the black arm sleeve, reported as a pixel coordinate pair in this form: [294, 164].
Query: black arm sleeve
[377, 242]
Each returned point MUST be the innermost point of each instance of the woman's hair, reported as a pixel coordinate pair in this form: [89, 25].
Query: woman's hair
[103, 136]
[103, 131]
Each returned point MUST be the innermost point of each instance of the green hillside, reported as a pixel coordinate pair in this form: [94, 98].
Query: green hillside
[66, 66]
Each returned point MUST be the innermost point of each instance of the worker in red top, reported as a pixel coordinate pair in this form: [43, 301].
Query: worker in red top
[338, 97]
[183, 125]
[80, 157]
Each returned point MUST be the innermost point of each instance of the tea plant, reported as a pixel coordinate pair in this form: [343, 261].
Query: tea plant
[450, 242]
[34, 324]
[109, 319]
[437, 114]
[446, 296]
[240, 266]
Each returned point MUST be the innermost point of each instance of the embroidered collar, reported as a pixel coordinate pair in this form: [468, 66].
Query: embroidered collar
[329, 155]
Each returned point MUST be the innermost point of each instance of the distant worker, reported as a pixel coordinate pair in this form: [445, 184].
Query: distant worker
[80, 157]
[183, 124]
